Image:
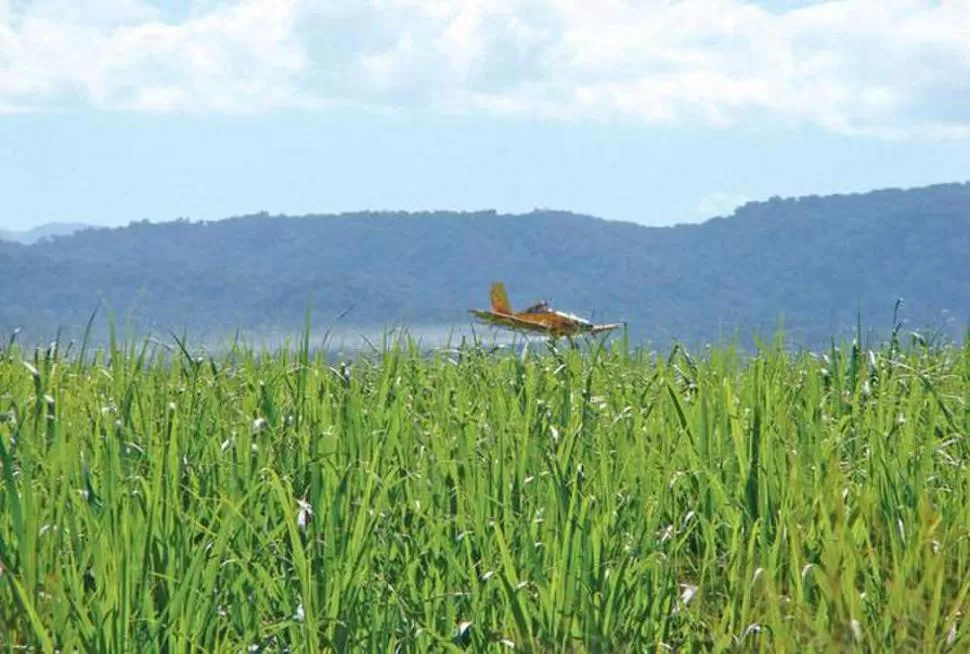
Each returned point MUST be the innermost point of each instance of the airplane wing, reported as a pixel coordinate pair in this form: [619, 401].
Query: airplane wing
[509, 321]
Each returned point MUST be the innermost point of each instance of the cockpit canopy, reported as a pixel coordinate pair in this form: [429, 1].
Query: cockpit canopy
[540, 307]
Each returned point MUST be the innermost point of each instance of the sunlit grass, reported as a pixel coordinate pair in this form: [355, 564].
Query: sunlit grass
[579, 501]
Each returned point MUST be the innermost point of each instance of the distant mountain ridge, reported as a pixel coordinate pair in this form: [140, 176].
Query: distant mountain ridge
[812, 261]
[48, 230]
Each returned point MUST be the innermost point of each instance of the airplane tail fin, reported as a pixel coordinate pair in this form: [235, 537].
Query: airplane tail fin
[500, 300]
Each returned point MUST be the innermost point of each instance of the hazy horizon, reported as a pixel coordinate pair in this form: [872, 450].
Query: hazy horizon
[726, 212]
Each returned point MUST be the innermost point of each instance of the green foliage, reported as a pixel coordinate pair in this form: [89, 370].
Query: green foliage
[155, 500]
[812, 262]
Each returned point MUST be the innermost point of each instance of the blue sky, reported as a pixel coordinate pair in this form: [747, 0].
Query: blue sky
[649, 111]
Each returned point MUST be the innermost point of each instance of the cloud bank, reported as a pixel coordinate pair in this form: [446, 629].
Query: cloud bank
[887, 68]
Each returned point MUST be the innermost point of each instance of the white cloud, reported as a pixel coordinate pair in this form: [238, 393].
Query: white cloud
[891, 68]
[719, 203]
[118, 53]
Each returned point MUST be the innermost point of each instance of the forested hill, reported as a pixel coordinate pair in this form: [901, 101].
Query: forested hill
[813, 261]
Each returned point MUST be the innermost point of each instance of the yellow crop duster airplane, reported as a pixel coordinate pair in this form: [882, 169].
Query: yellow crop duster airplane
[540, 318]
